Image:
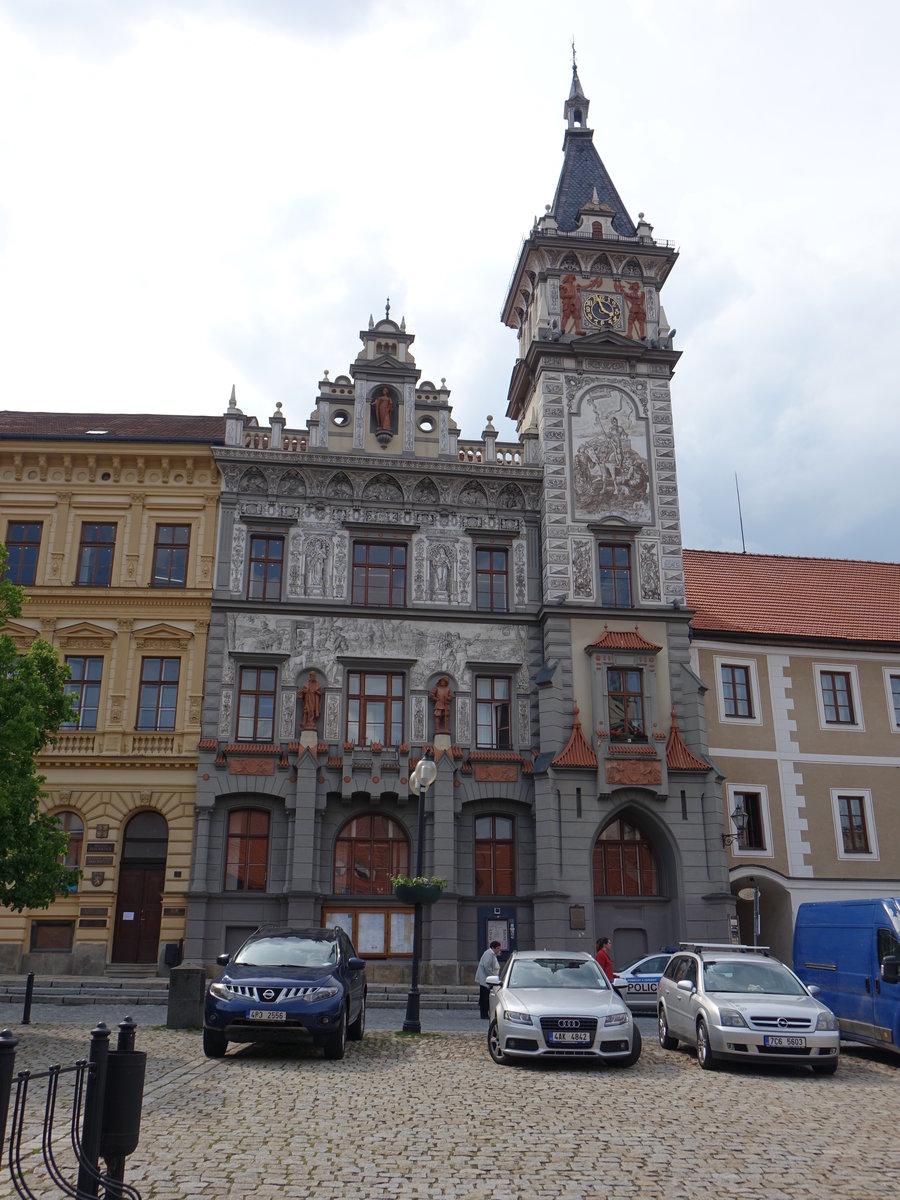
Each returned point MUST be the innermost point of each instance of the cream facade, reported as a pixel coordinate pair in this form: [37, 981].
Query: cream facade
[110, 523]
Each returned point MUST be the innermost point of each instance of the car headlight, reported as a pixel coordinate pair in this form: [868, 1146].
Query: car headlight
[616, 1018]
[315, 995]
[732, 1018]
[518, 1018]
[220, 991]
[826, 1023]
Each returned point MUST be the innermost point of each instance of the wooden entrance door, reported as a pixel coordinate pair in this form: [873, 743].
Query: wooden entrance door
[138, 914]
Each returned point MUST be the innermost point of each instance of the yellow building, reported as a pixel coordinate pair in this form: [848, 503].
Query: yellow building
[110, 523]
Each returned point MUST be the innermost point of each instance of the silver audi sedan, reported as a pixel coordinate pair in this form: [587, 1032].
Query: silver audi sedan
[558, 1004]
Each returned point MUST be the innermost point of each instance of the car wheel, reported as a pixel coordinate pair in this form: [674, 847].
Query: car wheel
[637, 1044]
[214, 1044]
[494, 1048]
[357, 1028]
[337, 1043]
[825, 1068]
[665, 1038]
[705, 1057]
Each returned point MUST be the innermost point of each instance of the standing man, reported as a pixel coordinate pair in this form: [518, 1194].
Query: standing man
[489, 964]
[604, 945]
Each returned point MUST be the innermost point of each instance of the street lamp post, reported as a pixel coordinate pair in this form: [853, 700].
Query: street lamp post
[420, 781]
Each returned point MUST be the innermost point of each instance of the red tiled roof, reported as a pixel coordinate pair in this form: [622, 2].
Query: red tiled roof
[577, 752]
[766, 594]
[678, 756]
[622, 640]
[116, 427]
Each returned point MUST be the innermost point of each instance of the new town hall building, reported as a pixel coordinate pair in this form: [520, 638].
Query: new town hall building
[274, 622]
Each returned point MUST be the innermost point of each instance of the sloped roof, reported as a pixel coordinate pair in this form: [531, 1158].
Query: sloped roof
[582, 172]
[769, 595]
[622, 639]
[577, 752]
[116, 427]
[678, 756]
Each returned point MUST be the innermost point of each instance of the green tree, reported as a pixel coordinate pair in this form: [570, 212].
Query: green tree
[33, 704]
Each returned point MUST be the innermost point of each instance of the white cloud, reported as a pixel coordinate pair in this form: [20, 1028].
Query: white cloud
[198, 194]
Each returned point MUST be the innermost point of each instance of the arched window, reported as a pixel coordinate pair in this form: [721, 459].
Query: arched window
[74, 827]
[368, 851]
[146, 838]
[495, 858]
[247, 850]
[624, 862]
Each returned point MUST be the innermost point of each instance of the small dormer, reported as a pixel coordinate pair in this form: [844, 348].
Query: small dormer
[595, 218]
[576, 107]
[386, 342]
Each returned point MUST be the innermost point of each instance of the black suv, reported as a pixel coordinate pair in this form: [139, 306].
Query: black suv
[288, 985]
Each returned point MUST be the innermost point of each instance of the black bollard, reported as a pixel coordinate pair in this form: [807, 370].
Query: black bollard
[29, 992]
[94, 1093]
[8, 1045]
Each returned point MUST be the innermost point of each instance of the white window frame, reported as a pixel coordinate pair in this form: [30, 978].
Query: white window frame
[866, 796]
[859, 725]
[762, 791]
[729, 660]
[889, 674]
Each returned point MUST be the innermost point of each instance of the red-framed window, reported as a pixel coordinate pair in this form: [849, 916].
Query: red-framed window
[491, 580]
[158, 696]
[854, 830]
[615, 575]
[368, 851]
[256, 704]
[492, 712]
[247, 850]
[23, 544]
[375, 708]
[266, 563]
[624, 862]
[837, 698]
[379, 574]
[495, 856]
[626, 704]
[737, 698]
[170, 556]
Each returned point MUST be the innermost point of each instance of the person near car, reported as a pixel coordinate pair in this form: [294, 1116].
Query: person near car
[604, 945]
[488, 964]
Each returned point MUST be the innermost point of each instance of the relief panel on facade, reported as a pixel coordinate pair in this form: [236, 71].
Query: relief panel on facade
[238, 549]
[648, 568]
[583, 569]
[610, 460]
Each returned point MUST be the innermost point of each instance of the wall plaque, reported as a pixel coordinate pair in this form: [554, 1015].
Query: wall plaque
[496, 772]
[251, 766]
[100, 847]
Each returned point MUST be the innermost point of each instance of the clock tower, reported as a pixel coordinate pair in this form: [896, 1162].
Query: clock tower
[590, 395]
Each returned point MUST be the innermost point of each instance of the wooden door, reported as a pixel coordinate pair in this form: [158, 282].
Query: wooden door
[138, 914]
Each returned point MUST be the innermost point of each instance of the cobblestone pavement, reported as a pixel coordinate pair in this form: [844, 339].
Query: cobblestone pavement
[416, 1118]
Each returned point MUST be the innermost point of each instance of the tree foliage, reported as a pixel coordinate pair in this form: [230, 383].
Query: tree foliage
[33, 704]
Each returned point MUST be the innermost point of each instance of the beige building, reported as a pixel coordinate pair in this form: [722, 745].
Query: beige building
[110, 523]
[801, 658]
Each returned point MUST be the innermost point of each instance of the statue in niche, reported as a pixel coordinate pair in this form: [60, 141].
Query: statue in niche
[442, 699]
[310, 696]
[383, 404]
[440, 575]
[315, 567]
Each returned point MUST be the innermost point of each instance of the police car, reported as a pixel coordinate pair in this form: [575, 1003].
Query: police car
[637, 984]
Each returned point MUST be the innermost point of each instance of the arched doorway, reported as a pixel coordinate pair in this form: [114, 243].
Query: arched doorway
[633, 883]
[142, 874]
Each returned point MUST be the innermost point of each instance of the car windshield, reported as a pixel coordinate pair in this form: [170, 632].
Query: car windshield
[556, 973]
[770, 978]
[288, 951]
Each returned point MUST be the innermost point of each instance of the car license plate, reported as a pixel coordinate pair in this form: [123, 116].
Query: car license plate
[787, 1043]
[577, 1037]
[266, 1014]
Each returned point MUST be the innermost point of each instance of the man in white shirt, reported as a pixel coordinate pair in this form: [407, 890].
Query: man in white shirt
[488, 964]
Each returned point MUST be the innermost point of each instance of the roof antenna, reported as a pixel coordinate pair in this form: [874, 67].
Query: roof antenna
[740, 514]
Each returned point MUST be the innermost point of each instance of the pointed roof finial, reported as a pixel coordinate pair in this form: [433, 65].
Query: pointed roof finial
[232, 402]
[387, 309]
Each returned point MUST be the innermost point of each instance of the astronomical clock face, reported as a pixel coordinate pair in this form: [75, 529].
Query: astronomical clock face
[600, 311]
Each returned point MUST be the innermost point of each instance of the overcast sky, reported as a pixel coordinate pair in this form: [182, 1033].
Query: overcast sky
[200, 193]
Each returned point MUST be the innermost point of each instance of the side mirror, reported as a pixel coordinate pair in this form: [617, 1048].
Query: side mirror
[685, 985]
[813, 989]
[357, 964]
[492, 981]
[890, 969]
[223, 959]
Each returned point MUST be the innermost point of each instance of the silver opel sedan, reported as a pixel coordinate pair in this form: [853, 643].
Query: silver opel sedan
[558, 1004]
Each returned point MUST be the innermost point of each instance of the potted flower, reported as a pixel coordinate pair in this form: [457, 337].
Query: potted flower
[418, 889]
